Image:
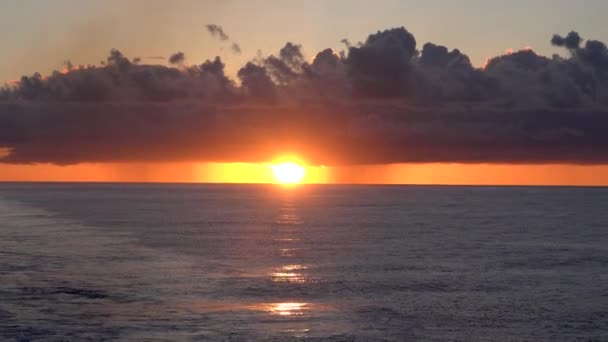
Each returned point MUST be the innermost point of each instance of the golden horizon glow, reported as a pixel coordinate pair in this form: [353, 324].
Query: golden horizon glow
[288, 173]
[261, 173]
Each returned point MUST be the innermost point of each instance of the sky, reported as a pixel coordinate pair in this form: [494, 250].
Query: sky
[381, 108]
[41, 35]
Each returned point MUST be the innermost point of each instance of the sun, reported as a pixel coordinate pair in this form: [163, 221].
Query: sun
[288, 173]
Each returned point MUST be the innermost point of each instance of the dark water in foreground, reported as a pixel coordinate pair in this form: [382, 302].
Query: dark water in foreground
[216, 262]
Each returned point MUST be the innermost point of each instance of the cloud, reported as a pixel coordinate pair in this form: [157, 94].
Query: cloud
[256, 82]
[236, 48]
[382, 65]
[352, 134]
[217, 31]
[287, 66]
[346, 43]
[572, 41]
[292, 55]
[383, 101]
[177, 58]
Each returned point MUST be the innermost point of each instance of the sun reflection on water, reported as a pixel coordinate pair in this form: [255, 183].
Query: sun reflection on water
[289, 227]
[289, 273]
[287, 252]
[288, 216]
[288, 309]
[286, 240]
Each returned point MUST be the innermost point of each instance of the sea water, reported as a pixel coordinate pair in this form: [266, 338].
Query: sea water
[311, 262]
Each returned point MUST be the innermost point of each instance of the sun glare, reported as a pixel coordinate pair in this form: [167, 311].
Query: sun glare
[288, 173]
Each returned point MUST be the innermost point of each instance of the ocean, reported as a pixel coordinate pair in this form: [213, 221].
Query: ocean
[153, 262]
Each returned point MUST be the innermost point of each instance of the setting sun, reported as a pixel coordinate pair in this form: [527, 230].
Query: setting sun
[288, 173]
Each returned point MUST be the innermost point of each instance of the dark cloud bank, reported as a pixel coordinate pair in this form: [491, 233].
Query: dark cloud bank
[384, 100]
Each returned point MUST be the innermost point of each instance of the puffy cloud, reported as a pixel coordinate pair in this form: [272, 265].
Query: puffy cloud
[595, 54]
[382, 101]
[121, 80]
[445, 75]
[286, 67]
[292, 55]
[381, 66]
[213, 83]
[217, 31]
[177, 58]
[327, 64]
[526, 60]
[256, 82]
[437, 55]
[587, 68]
[572, 41]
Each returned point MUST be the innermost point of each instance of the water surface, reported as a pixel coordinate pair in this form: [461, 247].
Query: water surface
[245, 262]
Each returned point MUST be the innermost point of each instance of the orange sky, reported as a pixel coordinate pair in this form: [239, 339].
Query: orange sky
[482, 174]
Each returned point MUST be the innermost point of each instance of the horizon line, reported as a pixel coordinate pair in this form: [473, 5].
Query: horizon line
[3, 182]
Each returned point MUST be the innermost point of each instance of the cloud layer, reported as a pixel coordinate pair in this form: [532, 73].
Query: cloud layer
[383, 100]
